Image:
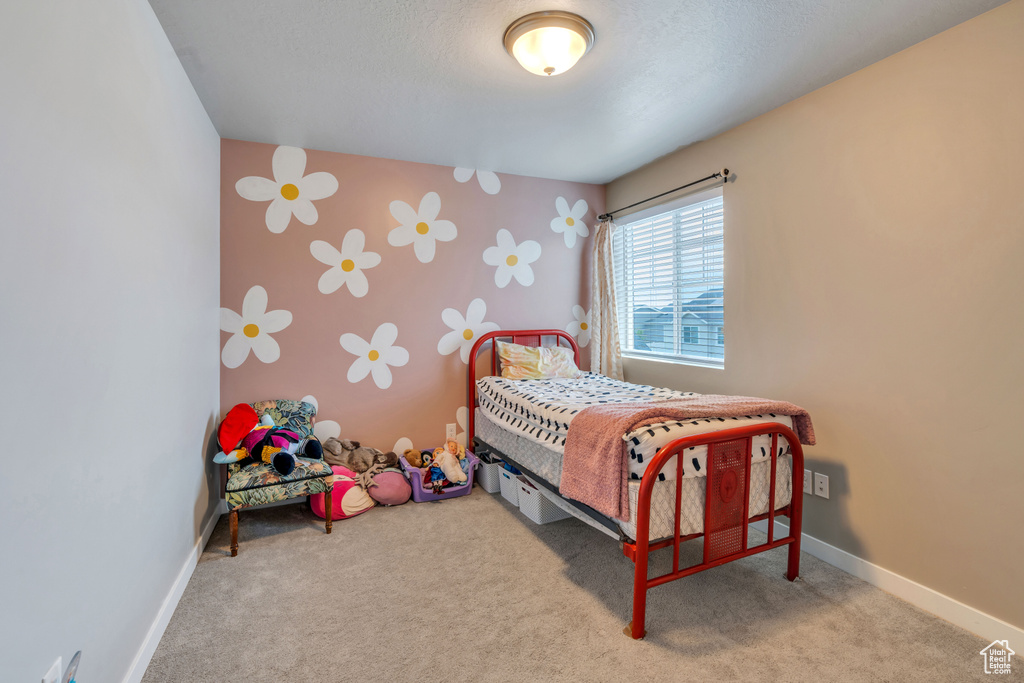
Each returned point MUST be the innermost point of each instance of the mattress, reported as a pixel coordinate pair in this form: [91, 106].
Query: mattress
[541, 411]
[545, 462]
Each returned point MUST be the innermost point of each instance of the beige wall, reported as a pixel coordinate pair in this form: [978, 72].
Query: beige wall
[875, 264]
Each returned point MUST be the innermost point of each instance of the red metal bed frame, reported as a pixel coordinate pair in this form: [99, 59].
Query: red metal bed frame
[727, 492]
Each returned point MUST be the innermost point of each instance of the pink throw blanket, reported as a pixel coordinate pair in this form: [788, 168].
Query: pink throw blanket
[595, 466]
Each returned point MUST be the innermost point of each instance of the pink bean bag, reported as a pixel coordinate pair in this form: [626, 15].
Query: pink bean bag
[392, 488]
[347, 499]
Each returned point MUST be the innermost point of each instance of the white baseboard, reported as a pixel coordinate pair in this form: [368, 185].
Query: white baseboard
[163, 616]
[988, 627]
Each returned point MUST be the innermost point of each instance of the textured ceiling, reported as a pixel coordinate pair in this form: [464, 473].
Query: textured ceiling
[429, 80]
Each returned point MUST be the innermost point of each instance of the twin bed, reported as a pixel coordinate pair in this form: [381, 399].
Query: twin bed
[651, 467]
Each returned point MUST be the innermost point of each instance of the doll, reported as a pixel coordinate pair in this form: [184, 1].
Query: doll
[446, 464]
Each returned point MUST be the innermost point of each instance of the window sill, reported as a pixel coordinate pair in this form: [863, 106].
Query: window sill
[675, 360]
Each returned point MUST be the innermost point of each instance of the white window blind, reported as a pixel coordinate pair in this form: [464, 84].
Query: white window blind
[669, 283]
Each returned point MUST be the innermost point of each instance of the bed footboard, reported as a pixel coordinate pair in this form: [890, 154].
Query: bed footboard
[726, 509]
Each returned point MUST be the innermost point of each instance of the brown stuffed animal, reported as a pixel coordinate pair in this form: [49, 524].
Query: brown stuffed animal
[381, 462]
[362, 460]
[413, 457]
[390, 459]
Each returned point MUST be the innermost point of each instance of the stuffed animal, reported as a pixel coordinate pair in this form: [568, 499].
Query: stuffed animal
[390, 460]
[413, 457]
[362, 460]
[242, 435]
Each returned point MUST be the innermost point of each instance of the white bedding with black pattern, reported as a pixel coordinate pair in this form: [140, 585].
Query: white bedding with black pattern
[544, 462]
[542, 410]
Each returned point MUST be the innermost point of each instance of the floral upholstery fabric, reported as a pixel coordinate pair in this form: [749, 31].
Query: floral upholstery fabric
[259, 483]
[296, 416]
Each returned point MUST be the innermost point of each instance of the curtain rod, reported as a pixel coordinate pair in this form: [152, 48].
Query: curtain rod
[724, 173]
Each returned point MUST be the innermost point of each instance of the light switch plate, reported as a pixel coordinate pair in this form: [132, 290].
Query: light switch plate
[808, 484]
[449, 432]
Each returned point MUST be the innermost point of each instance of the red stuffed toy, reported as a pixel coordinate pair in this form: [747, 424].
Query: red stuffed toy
[243, 436]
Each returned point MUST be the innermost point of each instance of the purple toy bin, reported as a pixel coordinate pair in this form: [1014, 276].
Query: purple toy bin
[423, 495]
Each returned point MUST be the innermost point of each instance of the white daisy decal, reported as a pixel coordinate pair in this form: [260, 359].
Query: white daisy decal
[375, 356]
[323, 429]
[462, 419]
[488, 180]
[421, 228]
[580, 327]
[402, 445]
[252, 329]
[512, 260]
[465, 330]
[290, 193]
[347, 265]
[570, 222]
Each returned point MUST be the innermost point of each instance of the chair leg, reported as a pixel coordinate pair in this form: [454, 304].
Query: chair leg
[327, 510]
[233, 522]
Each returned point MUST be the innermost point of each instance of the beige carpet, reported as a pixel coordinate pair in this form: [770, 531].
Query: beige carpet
[468, 589]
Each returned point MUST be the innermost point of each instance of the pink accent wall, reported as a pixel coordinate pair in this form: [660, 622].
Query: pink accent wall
[426, 392]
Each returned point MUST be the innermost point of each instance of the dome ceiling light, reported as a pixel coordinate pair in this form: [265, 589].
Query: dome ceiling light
[549, 43]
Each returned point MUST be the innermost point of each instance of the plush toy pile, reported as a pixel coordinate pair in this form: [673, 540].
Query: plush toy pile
[244, 436]
[363, 477]
[374, 470]
[445, 466]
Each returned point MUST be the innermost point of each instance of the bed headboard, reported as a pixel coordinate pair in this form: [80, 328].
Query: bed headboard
[524, 337]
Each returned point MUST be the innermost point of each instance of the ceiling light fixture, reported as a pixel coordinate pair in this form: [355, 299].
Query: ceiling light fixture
[549, 43]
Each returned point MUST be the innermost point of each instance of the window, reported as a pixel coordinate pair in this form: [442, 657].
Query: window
[670, 282]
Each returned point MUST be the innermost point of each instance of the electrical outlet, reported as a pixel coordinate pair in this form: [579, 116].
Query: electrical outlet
[53, 675]
[807, 482]
[821, 485]
[449, 431]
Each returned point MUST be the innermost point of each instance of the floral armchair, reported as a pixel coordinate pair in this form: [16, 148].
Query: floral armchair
[247, 485]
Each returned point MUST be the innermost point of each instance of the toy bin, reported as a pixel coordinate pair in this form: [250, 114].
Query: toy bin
[423, 495]
[536, 506]
[487, 475]
[508, 483]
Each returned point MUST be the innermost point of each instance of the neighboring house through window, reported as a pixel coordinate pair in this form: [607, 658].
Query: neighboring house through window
[669, 281]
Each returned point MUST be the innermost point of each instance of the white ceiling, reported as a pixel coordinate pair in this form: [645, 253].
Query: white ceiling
[430, 81]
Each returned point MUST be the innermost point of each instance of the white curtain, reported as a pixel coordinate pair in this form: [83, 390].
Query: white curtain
[605, 355]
